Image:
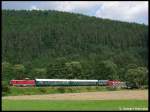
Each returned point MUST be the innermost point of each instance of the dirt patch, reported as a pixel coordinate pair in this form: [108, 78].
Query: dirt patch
[107, 95]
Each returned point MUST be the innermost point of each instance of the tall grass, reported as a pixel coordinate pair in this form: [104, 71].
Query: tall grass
[53, 90]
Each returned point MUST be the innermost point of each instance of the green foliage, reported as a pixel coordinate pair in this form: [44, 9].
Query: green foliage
[74, 70]
[113, 88]
[14, 91]
[5, 88]
[106, 70]
[56, 70]
[61, 90]
[137, 77]
[6, 71]
[43, 90]
[27, 35]
[39, 72]
[52, 44]
[19, 70]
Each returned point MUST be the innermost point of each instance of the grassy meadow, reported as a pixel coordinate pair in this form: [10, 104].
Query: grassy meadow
[74, 105]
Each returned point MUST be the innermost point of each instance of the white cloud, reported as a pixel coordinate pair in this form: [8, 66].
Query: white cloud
[33, 7]
[131, 11]
[125, 11]
[75, 6]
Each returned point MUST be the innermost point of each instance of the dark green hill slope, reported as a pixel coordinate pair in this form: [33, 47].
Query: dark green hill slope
[37, 38]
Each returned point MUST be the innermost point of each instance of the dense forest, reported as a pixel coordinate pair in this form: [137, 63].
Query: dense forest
[52, 44]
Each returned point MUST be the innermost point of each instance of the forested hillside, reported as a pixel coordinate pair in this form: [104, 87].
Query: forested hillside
[51, 44]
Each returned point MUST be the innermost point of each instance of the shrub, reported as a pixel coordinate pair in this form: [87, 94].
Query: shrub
[61, 90]
[5, 88]
[43, 90]
[88, 88]
[144, 87]
[112, 88]
[70, 90]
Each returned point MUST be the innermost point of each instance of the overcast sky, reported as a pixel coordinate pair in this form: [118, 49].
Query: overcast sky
[130, 11]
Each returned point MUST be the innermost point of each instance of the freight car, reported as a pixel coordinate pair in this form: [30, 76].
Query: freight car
[64, 82]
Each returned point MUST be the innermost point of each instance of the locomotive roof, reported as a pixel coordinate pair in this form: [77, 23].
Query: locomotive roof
[22, 80]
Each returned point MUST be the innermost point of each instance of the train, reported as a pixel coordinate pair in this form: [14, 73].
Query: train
[65, 82]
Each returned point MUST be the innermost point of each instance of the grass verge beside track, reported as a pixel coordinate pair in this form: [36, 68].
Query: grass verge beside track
[14, 91]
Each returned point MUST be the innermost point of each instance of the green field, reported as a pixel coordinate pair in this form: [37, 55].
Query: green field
[74, 105]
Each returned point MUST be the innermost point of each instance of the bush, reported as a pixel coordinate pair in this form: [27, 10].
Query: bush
[144, 87]
[88, 88]
[43, 90]
[5, 88]
[61, 90]
[70, 90]
[112, 88]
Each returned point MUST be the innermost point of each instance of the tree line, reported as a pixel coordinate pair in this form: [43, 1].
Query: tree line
[136, 76]
[52, 44]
